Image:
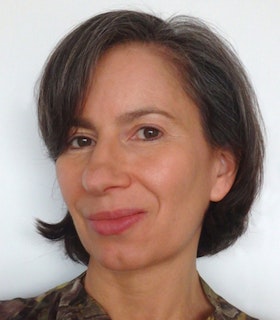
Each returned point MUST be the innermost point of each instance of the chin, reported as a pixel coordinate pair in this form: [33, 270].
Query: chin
[120, 260]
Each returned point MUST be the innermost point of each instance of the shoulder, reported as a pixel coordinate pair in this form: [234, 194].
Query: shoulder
[222, 309]
[67, 301]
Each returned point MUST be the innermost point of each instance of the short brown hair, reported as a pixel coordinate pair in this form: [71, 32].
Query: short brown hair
[211, 75]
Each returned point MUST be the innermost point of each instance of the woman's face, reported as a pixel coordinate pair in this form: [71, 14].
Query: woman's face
[138, 174]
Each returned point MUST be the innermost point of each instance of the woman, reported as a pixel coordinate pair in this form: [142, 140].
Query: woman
[154, 129]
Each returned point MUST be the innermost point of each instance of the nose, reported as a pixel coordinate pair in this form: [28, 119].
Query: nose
[105, 170]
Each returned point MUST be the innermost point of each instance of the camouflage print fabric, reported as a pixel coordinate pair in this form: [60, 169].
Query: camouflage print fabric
[71, 302]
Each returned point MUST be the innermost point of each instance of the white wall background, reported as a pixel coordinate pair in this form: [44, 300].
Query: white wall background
[248, 274]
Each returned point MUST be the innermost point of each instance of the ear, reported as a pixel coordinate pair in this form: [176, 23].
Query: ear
[224, 175]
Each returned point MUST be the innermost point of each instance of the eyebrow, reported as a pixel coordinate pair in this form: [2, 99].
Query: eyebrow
[125, 117]
[133, 115]
[83, 123]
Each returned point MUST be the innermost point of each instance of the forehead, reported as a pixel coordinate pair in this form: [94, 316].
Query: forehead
[135, 68]
[124, 67]
[134, 77]
[135, 61]
[138, 58]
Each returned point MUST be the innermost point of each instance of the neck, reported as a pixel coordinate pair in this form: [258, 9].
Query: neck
[157, 292]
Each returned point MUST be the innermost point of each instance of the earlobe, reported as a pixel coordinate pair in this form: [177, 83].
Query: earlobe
[224, 176]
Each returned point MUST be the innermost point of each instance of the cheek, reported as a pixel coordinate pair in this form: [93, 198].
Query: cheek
[170, 172]
[68, 176]
[181, 181]
[168, 178]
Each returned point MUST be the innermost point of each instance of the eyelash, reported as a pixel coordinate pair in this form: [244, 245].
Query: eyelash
[82, 141]
[149, 130]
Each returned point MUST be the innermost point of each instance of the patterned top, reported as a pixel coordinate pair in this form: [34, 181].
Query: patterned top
[70, 301]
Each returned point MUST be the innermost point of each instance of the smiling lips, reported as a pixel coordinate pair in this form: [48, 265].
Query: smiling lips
[115, 222]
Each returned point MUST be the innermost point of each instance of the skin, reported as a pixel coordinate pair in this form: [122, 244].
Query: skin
[139, 144]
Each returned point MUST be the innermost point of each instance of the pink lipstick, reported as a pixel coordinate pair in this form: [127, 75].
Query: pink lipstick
[116, 221]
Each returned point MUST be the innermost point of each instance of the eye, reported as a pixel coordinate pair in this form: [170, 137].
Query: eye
[80, 142]
[148, 133]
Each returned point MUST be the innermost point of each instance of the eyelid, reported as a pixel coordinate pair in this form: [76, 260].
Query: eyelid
[86, 139]
[81, 133]
[147, 126]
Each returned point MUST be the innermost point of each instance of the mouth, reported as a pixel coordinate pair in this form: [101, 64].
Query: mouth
[115, 222]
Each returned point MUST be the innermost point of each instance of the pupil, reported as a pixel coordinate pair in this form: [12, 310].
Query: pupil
[83, 142]
[150, 133]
